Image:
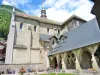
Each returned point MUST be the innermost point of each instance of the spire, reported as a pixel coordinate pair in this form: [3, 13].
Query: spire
[43, 12]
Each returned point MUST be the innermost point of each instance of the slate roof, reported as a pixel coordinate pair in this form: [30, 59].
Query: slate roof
[45, 37]
[44, 20]
[83, 35]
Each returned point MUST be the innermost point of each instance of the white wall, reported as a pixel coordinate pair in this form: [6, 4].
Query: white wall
[35, 56]
[43, 28]
[19, 56]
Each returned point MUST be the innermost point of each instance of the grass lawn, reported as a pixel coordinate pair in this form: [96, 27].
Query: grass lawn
[58, 74]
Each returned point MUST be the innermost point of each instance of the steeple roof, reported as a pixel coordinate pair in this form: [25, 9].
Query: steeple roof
[43, 12]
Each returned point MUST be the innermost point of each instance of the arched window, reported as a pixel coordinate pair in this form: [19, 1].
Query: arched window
[47, 30]
[34, 28]
[53, 42]
[21, 25]
[58, 31]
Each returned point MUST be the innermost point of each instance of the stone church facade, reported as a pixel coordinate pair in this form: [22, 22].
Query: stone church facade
[28, 39]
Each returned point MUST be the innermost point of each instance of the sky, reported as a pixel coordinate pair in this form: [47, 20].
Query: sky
[58, 10]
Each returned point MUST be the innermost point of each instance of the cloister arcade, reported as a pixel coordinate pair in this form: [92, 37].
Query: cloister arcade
[97, 56]
[80, 59]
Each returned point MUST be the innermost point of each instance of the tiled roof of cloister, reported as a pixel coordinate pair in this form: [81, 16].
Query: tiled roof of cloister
[83, 35]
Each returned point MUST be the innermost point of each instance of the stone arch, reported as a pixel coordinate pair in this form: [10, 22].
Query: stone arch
[85, 61]
[55, 62]
[50, 61]
[97, 55]
[70, 58]
[82, 50]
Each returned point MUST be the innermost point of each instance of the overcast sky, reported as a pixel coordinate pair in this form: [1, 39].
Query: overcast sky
[58, 10]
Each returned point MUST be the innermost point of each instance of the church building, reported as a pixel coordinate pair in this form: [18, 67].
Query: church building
[73, 44]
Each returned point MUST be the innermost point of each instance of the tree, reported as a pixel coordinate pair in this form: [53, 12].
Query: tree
[5, 18]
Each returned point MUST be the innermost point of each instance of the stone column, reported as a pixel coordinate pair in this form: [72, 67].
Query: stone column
[47, 59]
[63, 62]
[93, 49]
[78, 67]
[94, 63]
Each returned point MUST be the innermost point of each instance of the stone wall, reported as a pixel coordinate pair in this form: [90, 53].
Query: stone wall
[18, 66]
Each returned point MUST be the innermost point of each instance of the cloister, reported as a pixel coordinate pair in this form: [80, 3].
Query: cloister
[78, 59]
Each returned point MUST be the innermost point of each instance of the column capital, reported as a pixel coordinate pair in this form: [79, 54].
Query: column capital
[93, 48]
[63, 54]
[57, 56]
[77, 52]
[51, 58]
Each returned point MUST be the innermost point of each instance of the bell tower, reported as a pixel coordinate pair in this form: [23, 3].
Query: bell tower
[43, 13]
